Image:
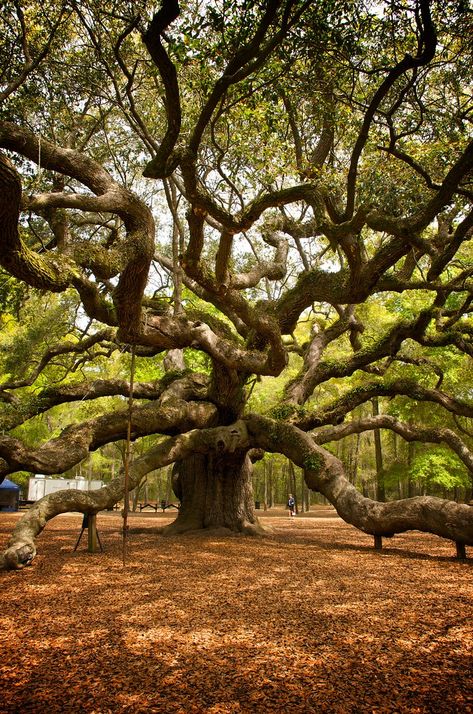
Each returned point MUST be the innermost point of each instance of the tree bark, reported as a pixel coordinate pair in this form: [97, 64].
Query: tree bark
[215, 491]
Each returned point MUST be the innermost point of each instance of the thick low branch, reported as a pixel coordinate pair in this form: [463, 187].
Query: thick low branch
[20, 410]
[169, 416]
[324, 473]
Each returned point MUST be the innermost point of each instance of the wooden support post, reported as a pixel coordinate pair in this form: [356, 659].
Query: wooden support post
[92, 533]
[378, 542]
[89, 524]
[461, 550]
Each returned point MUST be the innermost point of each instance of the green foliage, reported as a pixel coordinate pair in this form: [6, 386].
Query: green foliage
[439, 466]
[281, 412]
[314, 462]
[173, 374]
[43, 321]
[21, 478]
[13, 294]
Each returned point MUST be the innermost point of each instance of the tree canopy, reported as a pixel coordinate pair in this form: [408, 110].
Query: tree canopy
[270, 205]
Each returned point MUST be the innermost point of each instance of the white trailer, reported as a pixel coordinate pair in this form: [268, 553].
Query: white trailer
[42, 486]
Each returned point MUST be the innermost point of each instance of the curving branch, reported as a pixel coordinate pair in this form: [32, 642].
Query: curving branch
[31, 60]
[426, 52]
[167, 416]
[323, 472]
[61, 349]
[301, 387]
[414, 224]
[272, 270]
[194, 387]
[337, 410]
[409, 432]
[15, 256]
[315, 371]
[163, 163]
[58, 271]
[248, 59]
[339, 288]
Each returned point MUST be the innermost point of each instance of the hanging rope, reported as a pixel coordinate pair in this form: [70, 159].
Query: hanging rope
[127, 454]
[39, 169]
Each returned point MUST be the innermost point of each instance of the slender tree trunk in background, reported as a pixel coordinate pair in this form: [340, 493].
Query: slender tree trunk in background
[286, 479]
[137, 494]
[469, 491]
[293, 483]
[265, 485]
[169, 485]
[215, 492]
[257, 486]
[306, 495]
[400, 490]
[303, 490]
[271, 483]
[162, 484]
[410, 458]
[380, 489]
[354, 472]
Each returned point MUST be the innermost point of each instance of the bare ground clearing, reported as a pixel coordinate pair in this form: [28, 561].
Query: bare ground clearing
[310, 619]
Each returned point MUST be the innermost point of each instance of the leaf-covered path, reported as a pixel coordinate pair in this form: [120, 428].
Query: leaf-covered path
[310, 619]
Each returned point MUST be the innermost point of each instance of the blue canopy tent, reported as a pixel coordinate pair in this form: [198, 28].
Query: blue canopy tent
[9, 496]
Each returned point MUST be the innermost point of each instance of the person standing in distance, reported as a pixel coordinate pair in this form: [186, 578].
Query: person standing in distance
[291, 504]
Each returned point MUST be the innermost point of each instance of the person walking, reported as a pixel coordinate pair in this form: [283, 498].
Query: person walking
[291, 504]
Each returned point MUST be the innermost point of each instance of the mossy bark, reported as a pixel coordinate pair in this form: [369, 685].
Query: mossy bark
[215, 491]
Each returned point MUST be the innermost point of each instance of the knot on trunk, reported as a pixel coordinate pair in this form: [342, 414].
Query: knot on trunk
[230, 438]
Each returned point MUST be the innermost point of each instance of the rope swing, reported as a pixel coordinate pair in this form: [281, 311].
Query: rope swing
[127, 455]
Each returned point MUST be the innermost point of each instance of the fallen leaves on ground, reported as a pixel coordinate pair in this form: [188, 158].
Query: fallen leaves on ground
[309, 619]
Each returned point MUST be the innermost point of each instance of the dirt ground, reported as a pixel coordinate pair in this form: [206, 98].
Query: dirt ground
[309, 619]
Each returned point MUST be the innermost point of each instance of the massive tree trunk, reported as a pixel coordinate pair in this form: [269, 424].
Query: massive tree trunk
[215, 491]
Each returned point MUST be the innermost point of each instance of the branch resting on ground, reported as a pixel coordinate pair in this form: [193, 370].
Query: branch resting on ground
[323, 472]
